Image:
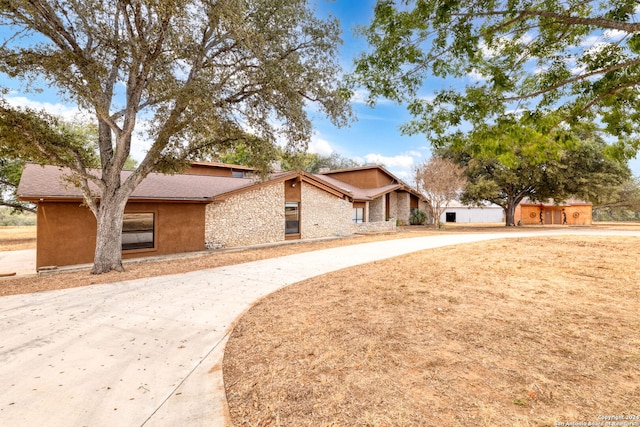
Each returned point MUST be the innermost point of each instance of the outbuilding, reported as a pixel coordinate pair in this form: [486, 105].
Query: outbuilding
[566, 212]
[457, 212]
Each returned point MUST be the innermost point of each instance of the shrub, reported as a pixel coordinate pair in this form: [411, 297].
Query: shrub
[418, 217]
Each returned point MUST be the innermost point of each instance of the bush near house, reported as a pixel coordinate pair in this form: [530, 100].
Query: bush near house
[418, 217]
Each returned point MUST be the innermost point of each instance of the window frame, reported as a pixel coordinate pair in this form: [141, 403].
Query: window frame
[287, 229]
[354, 216]
[145, 246]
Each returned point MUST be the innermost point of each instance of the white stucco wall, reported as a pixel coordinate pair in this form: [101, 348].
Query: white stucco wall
[475, 214]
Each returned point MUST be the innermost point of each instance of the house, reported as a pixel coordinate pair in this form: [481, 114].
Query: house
[210, 206]
[567, 212]
[377, 194]
[460, 213]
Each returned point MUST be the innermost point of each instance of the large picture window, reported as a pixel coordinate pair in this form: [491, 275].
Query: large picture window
[138, 231]
[358, 215]
[291, 218]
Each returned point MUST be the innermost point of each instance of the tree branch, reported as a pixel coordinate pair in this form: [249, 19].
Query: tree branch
[17, 206]
[574, 80]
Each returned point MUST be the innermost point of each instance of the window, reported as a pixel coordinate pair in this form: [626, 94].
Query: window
[237, 174]
[138, 231]
[358, 215]
[291, 218]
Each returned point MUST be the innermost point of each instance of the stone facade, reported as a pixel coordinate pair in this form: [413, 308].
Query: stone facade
[403, 207]
[257, 216]
[377, 210]
[250, 218]
[323, 214]
[393, 206]
[374, 227]
[399, 207]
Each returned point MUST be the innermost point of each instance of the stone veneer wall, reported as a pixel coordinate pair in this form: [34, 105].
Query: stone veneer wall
[403, 207]
[323, 214]
[393, 205]
[376, 210]
[371, 227]
[250, 218]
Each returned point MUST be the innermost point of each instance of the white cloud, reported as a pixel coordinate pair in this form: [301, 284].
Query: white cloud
[615, 35]
[403, 161]
[578, 70]
[476, 76]
[596, 48]
[361, 96]
[401, 165]
[64, 111]
[590, 41]
[320, 146]
[500, 43]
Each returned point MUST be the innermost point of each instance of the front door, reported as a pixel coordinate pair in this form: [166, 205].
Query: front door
[387, 206]
[291, 218]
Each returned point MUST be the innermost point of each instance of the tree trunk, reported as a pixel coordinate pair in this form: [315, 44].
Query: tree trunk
[108, 254]
[510, 213]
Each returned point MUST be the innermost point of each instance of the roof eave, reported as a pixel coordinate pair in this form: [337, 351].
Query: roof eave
[74, 199]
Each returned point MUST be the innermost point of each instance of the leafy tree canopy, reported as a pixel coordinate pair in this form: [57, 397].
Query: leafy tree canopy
[261, 157]
[578, 58]
[29, 135]
[536, 165]
[622, 204]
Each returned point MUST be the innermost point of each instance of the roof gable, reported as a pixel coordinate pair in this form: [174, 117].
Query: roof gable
[374, 176]
[367, 182]
[41, 183]
[51, 182]
[280, 177]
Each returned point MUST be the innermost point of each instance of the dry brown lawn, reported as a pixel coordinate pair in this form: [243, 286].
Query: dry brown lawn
[16, 238]
[524, 332]
[521, 332]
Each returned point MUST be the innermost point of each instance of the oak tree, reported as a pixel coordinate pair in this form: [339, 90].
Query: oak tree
[183, 75]
[578, 58]
[524, 161]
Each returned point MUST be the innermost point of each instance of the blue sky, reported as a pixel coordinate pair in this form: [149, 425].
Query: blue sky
[373, 138]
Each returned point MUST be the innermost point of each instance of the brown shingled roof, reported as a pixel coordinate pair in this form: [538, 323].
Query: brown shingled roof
[572, 201]
[48, 182]
[361, 194]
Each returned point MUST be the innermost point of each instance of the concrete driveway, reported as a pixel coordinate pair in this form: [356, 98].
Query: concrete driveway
[148, 352]
[18, 262]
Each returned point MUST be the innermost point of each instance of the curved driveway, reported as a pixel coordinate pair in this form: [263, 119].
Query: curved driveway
[149, 351]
